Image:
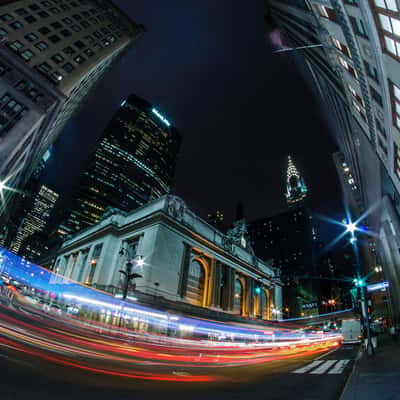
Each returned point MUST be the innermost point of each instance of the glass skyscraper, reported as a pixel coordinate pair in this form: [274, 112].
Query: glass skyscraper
[133, 162]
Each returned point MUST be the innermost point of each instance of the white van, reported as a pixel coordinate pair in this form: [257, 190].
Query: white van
[351, 331]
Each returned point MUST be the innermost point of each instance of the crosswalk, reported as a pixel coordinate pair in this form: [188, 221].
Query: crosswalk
[320, 367]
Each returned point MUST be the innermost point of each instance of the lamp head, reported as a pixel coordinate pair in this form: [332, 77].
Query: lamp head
[140, 262]
[351, 227]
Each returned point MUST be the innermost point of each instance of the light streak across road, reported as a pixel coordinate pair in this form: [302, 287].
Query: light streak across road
[169, 341]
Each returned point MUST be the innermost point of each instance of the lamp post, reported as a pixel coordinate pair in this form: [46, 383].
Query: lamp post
[351, 227]
[133, 259]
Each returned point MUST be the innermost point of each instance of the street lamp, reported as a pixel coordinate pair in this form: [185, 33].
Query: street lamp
[129, 275]
[360, 283]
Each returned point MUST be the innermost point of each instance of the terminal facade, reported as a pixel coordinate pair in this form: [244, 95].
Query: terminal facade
[176, 255]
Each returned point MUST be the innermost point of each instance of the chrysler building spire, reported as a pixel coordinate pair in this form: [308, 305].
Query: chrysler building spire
[296, 190]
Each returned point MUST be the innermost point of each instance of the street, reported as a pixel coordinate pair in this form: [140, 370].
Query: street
[315, 375]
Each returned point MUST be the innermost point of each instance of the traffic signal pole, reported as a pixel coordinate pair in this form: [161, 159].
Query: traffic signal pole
[365, 317]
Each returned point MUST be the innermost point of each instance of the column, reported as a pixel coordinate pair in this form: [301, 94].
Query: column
[77, 268]
[215, 283]
[69, 266]
[62, 266]
[224, 287]
[183, 276]
[249, 296]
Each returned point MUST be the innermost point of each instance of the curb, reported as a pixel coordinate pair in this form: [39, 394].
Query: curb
[347, 383]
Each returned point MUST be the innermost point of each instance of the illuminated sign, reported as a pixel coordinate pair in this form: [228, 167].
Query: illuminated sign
[163, 119]
[377, 286]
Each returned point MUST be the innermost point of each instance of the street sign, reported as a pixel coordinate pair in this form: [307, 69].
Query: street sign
[377, 286]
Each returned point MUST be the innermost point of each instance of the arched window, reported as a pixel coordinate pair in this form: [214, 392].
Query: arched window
[256, 305]
[238, 297]
[195, 284]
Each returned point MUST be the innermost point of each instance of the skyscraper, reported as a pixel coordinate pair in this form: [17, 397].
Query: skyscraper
[36, 218]
[133, 163]
[351, 57]
[296, 190]
[52, 54]
[288, 240]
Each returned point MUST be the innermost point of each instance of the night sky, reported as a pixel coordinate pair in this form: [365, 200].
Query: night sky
[240, 109]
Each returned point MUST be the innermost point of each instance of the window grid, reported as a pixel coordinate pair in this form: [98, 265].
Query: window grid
[395, 100]
[387, 21]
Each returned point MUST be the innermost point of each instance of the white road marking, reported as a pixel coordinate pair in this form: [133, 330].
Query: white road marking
[324, 367]
[339, 367]
[307, 367]
[326, 354]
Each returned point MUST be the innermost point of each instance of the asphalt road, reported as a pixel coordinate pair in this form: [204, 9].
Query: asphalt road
[25, 378]
[24, 375]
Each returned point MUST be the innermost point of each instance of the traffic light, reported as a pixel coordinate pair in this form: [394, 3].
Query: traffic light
[258, 290]
[359, 282]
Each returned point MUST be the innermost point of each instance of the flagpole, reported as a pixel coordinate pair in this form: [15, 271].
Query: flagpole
[298, 48]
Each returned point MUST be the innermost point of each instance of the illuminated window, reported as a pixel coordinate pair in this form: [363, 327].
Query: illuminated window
[327, 12]
[390, 27]
[341, 47]
[396, 160]
[238, 297]
[395, 97]
[348, 67]
[195, 283]
[390, 24]
[387, 4]
[359, 110]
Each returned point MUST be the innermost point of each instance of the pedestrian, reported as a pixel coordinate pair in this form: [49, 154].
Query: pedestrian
[392, 332]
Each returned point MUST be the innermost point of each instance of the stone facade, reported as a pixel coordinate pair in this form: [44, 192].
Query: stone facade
[185, 259]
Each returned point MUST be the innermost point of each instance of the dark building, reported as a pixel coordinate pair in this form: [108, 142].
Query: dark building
[133, 163]
[289, 240]
[335, 268]
[216, 219]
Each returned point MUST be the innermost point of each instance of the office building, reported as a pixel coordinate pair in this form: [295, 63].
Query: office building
[296, 189]
[36, 218]
[52, 54]
[133, 163]
[352, 61]
[288, 241]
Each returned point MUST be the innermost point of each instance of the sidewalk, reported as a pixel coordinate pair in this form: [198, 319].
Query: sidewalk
[377, 376]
